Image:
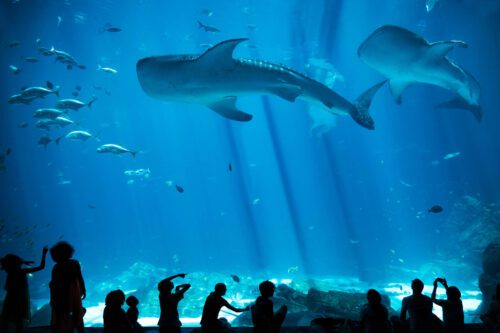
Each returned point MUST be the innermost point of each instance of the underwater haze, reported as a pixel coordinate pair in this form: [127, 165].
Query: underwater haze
[297, 194]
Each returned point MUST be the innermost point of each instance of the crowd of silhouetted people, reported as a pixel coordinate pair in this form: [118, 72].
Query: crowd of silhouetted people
[67, 290]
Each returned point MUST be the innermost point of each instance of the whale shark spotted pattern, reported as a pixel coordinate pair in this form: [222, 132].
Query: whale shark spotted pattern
[216, 79]
[406, 58]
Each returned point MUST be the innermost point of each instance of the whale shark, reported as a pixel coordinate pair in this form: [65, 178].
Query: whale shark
[216, 79]
[406, 58]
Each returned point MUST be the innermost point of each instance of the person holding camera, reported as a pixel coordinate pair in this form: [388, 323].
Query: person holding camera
[453, 311]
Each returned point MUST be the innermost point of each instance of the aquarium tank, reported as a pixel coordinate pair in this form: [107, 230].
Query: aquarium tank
[329, 146]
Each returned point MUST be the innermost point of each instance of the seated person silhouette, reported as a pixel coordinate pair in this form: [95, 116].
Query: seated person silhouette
[453, 310]
[114, 317]
[210, 322]
[263, 317]
[133, 313]
[374, 315]
[169, 314]
[419, 308]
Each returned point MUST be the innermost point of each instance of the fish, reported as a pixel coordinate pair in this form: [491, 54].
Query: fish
[216, 79]
[31, 59]
[23, 125]
[48, 113]
[45, 123]
[13, 44]
[111, 148]
[435, 209]
[169, 183]
[452, 155]
[141, 173]
[8, 151]
[230, 167]
[15, 70]
[207, 28]
[49, 84]
[107, 69]
[235, 278]
[44, 140]
[39, 92]
[179, 188]
[20, 99]
[255, 201]
[77, 136]
[207, 12]
[74, 104]
[59, 20]
[109, 28]
[75, 93]
[78, 88]
[293, 269]
[65, 58]
[406, 58]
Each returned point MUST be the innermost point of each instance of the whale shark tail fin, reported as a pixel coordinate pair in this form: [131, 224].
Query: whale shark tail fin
[361, 111]
[460, 103]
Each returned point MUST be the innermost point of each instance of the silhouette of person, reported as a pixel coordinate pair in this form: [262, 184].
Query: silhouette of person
[16, 305]
[453, 310]
[67, 290]
[491, 318]
[210, 322]
[169, 314]
[133, 313]
[114, 317]
[419, 308]
[374, 315]
[263, 317]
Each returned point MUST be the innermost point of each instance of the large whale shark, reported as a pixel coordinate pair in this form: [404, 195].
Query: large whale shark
[406, 58]
[216, 79]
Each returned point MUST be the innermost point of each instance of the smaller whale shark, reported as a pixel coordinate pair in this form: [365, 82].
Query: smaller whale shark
[406, 58]
[216, 79]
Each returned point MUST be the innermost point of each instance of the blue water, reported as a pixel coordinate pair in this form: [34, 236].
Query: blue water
[349, 202]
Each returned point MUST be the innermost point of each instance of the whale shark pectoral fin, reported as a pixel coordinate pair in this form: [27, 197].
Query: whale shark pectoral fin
[397, 88]
[442, 48]
[221, 55]
[288, 93]
[460, 103]
[227, 108]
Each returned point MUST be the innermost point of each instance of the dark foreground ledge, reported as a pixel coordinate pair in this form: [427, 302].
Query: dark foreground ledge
[469, 328]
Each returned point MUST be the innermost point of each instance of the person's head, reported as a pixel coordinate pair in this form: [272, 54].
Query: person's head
[267, 288]
[61, 251]
[373, 297]
[220, 289]
[132, 301]
[11, 263]
[115, 298]
[165, 286]
[453, 293]
[417, 286]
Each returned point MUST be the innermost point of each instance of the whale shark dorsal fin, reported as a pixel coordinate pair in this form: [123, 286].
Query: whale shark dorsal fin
[222, 53]
[227, 108]
[442, 48]
[397, 88]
